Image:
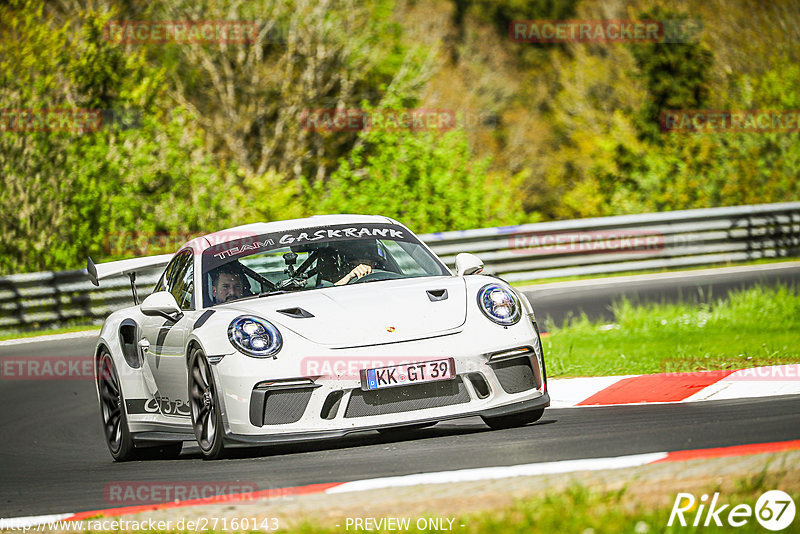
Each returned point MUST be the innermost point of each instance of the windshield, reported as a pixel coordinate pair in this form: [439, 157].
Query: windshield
[313, 258]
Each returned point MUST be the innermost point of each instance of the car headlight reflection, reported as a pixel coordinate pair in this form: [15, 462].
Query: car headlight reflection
[255, 336]
[499, 304]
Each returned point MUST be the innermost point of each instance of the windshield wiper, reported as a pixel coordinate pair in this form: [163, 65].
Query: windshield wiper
[384, 279]
[272, 292]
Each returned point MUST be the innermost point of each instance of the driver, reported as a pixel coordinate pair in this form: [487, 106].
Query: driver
[226, 284]
[361, 257]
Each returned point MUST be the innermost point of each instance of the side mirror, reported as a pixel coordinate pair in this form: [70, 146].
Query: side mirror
[163, 304]
[467, 264]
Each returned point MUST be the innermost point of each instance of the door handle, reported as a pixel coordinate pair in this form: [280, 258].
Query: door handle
[144, 347]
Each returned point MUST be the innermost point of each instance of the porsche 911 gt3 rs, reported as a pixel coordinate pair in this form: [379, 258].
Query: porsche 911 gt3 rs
[311, 329]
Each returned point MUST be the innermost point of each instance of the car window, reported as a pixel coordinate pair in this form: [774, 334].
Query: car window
[183, 287]
[411, 260]
[317, 257]
[164, 283]
[178, 279]
[272, 265]
[182, 282]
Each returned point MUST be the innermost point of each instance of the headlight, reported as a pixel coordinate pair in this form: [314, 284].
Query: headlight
[254, 336]
[499, 304]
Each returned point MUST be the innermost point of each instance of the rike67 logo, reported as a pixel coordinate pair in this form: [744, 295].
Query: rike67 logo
[774, 510]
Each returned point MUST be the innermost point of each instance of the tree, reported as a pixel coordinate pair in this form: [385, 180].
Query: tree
[71, 192]
[676, 74]
[250, 98]
[428, 180]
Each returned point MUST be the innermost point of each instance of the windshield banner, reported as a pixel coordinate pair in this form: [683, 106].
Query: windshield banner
[223, 253]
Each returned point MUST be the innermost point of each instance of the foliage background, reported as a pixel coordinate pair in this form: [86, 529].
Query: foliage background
[208, 136]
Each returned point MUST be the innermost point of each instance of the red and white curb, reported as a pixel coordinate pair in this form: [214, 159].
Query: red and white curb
[443, 477]
[675, 387]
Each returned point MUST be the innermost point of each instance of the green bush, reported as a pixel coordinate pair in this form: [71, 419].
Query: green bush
[428, 180]
[219, 138]
[77, 193]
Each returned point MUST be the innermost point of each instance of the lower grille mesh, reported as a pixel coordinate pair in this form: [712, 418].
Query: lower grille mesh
[406, 398]
[515, 375]
[286, 406]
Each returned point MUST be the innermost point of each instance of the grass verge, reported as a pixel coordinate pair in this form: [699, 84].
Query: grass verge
[749, 328]
[581, 510]
[36, 333]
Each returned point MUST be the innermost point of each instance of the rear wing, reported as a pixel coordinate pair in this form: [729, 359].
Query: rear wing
[129, 268]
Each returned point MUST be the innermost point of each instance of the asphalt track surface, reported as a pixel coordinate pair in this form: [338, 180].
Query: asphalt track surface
[53, 458]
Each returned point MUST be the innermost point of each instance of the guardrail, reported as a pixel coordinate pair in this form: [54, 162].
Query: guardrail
[37, 300]
[516, 253]
[607, 245]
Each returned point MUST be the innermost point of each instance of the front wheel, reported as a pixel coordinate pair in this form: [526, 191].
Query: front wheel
[204, 403]
[513, 420]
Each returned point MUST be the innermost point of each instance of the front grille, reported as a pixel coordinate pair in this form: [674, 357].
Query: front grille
[406, 398]
[515, 375]
[279, 407]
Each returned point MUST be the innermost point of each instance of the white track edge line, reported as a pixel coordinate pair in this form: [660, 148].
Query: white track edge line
[492, 473]
[17, 523]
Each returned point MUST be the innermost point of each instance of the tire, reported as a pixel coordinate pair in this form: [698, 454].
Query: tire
[115, 421]
[513, 420]
[204, 407]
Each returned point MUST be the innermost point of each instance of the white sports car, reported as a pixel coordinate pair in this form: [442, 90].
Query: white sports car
[310, 329]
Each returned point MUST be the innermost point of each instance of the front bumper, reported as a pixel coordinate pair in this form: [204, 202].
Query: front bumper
[262, 406]
[542, 401]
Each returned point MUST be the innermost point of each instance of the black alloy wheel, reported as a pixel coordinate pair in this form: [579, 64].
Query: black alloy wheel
[206, 416]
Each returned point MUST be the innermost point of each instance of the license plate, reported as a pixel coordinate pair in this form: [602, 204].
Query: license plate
[408, 373]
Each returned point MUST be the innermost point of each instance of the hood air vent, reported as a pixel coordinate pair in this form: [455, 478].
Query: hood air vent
[296, 313]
